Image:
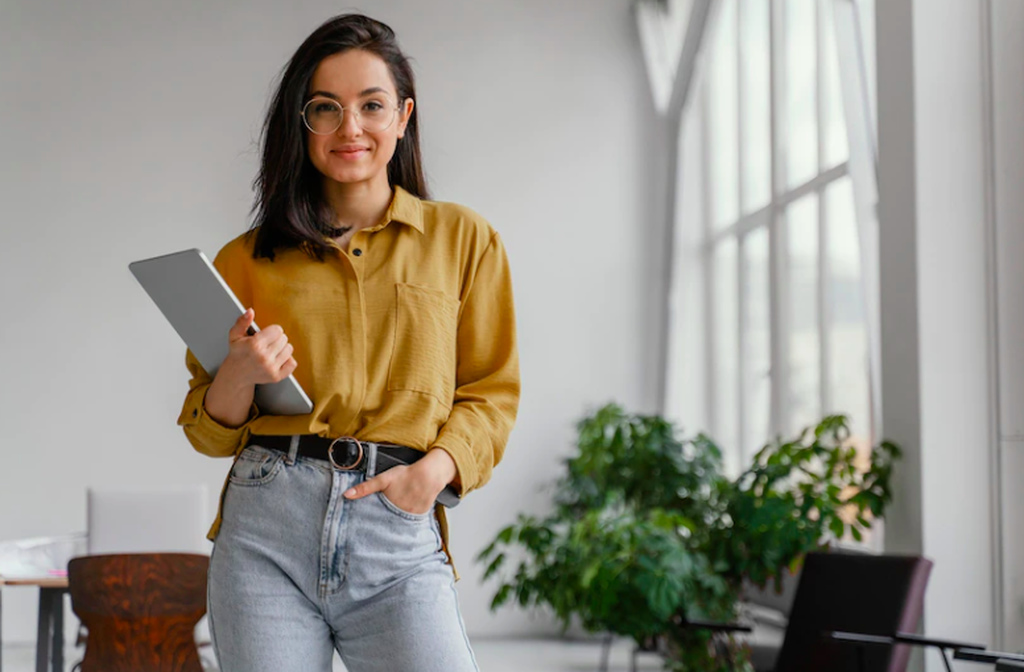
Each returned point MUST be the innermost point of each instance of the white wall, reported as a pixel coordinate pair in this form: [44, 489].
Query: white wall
[1008, 125]
[950, 142]
[953, 320]
[129, 130]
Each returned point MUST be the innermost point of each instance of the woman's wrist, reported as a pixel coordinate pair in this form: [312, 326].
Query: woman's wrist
[230, 397]
[439, 467]
[232, 375]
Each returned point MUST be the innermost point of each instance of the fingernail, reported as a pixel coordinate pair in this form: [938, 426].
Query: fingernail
[351, 492]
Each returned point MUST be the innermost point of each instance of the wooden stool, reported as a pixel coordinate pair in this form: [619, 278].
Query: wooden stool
[141, 610]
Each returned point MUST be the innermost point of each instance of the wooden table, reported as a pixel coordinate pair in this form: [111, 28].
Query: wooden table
[50, 635]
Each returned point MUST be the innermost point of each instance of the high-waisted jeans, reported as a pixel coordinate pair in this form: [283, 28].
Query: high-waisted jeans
[298, 571]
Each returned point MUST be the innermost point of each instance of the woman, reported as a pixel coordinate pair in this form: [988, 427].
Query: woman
[395, 314]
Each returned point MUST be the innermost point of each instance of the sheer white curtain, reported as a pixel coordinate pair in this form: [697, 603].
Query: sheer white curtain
[773, 297]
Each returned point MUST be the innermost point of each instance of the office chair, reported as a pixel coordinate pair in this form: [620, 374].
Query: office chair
[873, 595]
[869, 594]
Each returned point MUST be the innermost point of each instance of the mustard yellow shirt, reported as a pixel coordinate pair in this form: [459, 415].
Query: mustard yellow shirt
[408, 337]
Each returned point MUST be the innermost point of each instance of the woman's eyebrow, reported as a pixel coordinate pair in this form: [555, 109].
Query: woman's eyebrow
[364, 92]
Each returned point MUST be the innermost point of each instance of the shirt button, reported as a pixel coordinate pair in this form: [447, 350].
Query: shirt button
[195, 412]
[357, 252]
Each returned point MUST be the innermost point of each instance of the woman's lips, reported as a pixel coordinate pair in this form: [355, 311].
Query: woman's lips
[350, 154]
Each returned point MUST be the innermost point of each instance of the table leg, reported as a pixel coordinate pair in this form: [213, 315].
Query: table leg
[57, 618]
[43, 632]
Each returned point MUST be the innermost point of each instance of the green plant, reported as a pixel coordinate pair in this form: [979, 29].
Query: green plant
[647, 532]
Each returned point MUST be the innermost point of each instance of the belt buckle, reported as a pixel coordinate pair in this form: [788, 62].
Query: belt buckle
[347, 467]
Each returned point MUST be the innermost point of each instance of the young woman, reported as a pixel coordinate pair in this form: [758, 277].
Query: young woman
[395, 314]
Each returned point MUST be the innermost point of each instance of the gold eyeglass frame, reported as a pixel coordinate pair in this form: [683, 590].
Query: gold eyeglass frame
[341, 117]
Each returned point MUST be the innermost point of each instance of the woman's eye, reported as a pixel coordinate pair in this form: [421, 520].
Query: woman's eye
[373, 106]
[323, 108]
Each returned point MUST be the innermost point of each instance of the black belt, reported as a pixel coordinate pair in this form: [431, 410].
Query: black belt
[350, 454]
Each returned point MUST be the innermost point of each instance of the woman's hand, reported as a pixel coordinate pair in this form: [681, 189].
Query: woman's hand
[412, 488]
[257, 359]
[265, 357]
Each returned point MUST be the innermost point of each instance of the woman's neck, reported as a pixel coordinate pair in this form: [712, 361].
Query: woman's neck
[358, 205]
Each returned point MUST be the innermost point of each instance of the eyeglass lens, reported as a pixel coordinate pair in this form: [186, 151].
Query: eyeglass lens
[324, 116]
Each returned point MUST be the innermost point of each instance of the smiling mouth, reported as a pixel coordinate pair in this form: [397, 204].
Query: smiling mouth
[350, 155]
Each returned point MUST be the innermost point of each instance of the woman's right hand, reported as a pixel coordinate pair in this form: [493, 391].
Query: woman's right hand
[253, 359]
[260, 358]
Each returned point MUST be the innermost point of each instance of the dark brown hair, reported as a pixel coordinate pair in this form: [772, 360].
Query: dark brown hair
[290, 209]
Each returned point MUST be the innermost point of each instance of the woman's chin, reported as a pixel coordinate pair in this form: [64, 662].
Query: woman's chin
[348, 172]
[348, 176]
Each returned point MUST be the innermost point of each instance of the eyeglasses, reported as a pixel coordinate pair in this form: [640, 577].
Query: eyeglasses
[324, 116]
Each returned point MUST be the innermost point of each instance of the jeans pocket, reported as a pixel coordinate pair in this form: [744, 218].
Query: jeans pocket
[255, 466]
[402, 513]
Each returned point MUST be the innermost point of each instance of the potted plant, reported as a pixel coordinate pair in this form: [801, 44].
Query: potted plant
[647, 533]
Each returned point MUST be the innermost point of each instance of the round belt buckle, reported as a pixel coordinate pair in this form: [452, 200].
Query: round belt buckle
[347, 467]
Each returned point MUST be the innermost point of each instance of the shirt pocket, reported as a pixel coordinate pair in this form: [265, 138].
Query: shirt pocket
[424, 355]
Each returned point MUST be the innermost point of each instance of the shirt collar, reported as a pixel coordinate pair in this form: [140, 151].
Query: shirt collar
[404, 208]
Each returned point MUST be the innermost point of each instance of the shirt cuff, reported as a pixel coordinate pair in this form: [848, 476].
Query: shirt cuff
[466, 470]
[195, 417]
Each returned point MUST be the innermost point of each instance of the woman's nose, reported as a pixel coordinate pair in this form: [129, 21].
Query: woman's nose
[350, 124]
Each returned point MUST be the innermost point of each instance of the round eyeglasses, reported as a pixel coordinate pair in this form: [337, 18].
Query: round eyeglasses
[324, 116]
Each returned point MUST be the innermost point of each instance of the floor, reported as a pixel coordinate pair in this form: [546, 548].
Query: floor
[493, 655]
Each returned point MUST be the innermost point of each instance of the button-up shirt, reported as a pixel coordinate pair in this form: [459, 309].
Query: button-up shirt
[406, 337]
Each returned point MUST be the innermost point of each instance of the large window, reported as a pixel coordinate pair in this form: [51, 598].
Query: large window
[765, 156]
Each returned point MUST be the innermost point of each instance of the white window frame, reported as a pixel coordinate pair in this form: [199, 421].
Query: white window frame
[860, 166]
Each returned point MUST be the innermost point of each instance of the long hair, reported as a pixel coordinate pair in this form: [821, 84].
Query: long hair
[290, 209]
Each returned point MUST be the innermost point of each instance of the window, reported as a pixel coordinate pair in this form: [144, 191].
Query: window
[768, 208]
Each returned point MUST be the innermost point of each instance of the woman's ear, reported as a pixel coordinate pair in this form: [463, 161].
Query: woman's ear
[406, 114]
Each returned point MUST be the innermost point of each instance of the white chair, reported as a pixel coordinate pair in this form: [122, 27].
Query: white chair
[165, 519]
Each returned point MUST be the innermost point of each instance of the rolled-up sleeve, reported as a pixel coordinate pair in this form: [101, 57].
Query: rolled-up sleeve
[487, 374]
[204, 433]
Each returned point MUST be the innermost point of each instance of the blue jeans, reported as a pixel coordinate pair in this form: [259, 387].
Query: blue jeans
[298, 571]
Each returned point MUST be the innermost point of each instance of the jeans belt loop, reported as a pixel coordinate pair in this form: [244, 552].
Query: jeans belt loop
[293, 450]
[371, 459]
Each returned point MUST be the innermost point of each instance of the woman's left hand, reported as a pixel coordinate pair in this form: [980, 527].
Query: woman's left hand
[412, 488]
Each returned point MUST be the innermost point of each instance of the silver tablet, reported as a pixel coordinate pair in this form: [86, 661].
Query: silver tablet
[201, 307]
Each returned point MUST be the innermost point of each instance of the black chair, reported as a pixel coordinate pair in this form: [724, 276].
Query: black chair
[874, 595]
[1003, 661]
[869, 594]
[943, 646]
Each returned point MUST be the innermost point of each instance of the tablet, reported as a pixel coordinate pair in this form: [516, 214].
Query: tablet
[201, 307]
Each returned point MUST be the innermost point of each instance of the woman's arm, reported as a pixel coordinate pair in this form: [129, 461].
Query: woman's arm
[487, 376]
[217, 412]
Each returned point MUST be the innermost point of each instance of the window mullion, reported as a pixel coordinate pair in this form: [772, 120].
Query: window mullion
[776, 232]
[708, 269]
[741, 303]
[741, 342]
[824, 321]
[749, 222]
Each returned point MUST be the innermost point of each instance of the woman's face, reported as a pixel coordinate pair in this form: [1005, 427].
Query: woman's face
[359, 81]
